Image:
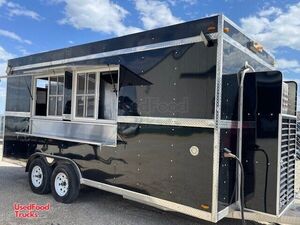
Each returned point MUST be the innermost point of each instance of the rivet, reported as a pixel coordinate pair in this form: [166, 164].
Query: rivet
[224, 182]
[171, 160]
[174, 99]
[139, 155]
[174, 84]
[138, 169]
[172, 145]
[171, 192]
[175, 68]
[171, 177]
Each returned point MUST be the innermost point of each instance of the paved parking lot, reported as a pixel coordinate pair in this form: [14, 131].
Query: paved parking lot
[92, 207]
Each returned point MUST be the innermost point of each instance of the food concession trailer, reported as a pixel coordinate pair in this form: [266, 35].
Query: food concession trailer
[158, 117]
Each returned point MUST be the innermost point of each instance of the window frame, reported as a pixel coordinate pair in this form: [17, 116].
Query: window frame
[97, 94]
[48, 96]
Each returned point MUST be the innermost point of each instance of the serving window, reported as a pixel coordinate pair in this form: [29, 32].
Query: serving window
[49, 96]
[77, 104]
[96, 95]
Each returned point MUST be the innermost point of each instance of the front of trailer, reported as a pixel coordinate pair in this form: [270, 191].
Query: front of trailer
[258, 124]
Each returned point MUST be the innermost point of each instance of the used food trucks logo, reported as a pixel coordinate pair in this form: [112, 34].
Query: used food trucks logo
[30, 210]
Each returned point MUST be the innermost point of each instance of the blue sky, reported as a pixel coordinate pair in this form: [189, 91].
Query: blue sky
[32, 26]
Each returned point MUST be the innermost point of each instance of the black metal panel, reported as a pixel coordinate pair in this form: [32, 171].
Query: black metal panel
[262, 106]
[245, 41]
[157, 161]
[230, 92]
[150, 159]
[174, 32]
[18, 94]
[260, 159]
[170, 82]
[14, 146]
[227, 169]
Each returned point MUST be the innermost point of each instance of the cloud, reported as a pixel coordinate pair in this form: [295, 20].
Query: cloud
[22, 50]
[275, 27]
[155, 13]
[3, 69]
[97, 15]
[270, 11]
[15, 9]
[4, 55]
[13, 36]
[288, 65]
[2, 2]
[189, 2]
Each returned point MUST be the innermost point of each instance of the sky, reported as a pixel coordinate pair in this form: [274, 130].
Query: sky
[32, 26]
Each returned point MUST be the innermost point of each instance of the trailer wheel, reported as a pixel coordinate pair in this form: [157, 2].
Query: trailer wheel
[39, 176]
[65, 183]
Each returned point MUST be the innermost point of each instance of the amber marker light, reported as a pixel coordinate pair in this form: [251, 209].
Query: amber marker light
[226, 29]
[204, 206]
[211, 29]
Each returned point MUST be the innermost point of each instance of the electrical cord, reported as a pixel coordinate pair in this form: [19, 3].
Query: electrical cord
[228, 154]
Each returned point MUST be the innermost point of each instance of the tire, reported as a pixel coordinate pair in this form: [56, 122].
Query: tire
[65, 183]
[39, 175]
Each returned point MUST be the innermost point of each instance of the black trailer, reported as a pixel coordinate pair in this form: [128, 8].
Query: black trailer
[151, 116]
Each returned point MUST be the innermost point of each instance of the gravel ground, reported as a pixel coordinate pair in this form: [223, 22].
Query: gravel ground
[92, 207]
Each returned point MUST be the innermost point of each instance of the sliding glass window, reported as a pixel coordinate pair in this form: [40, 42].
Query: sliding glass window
[56, 96]
[86, 95]
[49, 96]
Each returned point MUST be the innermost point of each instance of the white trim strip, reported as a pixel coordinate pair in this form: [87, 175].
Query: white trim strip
[63, 139]
[185, 122]
[149, 200]
[166, 44]
[17, 114]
